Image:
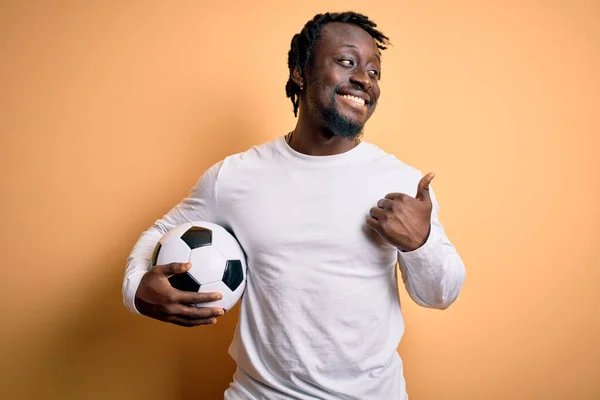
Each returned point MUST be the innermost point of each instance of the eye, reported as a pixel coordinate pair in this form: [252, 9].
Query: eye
[374, 73]
[346, 61]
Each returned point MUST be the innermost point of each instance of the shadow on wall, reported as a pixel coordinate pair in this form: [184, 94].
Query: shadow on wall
[110, 348]
[102, 351]
[97, 349]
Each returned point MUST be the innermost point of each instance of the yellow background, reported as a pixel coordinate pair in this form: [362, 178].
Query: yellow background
[110, 111]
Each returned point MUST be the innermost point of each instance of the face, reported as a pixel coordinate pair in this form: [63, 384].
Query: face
[342, 81]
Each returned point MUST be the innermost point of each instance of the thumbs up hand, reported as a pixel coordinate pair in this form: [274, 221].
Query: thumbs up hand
[402, 220]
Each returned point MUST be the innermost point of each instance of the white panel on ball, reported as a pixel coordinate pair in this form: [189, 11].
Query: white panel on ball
[208, 264]
[229, 299]
[227, 245]
[174, 250]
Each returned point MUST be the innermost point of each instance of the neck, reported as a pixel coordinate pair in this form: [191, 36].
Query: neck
[316, 141]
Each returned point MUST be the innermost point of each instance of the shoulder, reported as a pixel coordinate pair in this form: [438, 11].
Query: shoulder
[254, 155]
[260, 152]
[247, 160]
[390, 173]
[389, 163]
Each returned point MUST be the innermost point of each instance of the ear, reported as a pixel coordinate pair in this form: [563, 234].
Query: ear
[297, 76]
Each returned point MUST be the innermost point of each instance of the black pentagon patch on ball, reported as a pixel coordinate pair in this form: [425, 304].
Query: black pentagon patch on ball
[197, 236]
[184, 282]
[155, 255]
[233, 274]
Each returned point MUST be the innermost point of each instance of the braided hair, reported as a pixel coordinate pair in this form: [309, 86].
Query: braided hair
[303, 44]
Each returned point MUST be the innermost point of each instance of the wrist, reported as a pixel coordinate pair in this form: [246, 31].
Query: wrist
[416, 245]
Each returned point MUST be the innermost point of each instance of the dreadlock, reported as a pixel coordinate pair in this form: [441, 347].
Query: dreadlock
[303, 44]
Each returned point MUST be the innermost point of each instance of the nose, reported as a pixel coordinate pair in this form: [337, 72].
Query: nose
[361, 77]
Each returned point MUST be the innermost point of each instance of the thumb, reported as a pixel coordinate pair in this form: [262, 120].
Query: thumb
[175, 268]
[423, 188]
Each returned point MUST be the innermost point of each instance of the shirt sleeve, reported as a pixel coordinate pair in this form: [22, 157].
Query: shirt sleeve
[434, 273]
[200, 205]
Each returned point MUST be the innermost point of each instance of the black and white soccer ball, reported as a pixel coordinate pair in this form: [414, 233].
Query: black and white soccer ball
[218, 261]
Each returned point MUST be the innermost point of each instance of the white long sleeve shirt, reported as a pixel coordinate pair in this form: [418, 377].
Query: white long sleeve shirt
[320, 317]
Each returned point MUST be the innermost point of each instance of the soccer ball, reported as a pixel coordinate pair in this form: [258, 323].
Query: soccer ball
[218, 261]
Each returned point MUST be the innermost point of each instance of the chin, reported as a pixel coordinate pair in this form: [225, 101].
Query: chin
[349, 133]
[342, 125]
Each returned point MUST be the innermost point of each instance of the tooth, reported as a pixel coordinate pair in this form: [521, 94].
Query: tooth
[355, 99]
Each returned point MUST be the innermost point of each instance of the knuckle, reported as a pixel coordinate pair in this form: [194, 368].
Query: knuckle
[169, 310]
[189, 313]
[173, 267]
[170, 298]
[201, 298]
[203, 313]
[386, 225]
[186, 312]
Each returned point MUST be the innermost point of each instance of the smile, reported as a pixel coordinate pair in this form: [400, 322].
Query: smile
[353, 100]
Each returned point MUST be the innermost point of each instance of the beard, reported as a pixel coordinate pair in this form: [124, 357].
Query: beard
[339, 124]
[335, 122]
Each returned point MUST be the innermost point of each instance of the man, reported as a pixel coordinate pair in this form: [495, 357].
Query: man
[323, 218]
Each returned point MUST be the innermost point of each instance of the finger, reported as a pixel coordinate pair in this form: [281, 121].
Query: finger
[377, 213]
[423, 187]
[183, 297]
[374, 224]
[189, 323]
[175, 268]
[385, 204]
[191, 312]
[393, 196]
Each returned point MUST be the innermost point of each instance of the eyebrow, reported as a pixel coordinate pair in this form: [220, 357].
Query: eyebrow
[378, 54]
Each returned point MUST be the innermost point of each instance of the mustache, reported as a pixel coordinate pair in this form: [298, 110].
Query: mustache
[353, 88]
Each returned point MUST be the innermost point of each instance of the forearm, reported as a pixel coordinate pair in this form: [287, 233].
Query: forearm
[433, 274]
[138, 264]
[139, 259]
[200, 205]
